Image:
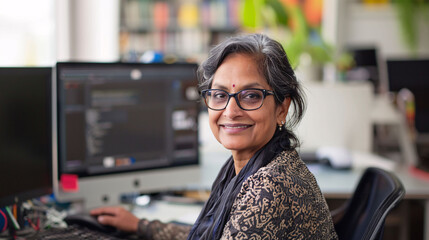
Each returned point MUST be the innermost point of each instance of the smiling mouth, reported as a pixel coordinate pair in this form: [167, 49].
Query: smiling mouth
[235, 126]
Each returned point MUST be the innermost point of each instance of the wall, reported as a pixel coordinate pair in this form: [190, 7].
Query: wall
[27, 33]
[379, 26]
[87, 30]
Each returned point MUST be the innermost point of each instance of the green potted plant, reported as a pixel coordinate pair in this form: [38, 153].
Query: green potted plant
[408, 15]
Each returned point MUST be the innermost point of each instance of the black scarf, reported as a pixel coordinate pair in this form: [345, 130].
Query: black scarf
[226, 187]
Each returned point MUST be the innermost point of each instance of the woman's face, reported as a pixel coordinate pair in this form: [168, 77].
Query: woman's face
[244, 132]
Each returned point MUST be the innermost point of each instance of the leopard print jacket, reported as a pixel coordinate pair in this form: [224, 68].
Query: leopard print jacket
[279, 201]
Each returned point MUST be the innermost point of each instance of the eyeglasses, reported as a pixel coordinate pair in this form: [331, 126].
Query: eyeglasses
[247, 99]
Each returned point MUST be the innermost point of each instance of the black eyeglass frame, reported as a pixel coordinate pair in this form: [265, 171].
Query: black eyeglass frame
[265, 93]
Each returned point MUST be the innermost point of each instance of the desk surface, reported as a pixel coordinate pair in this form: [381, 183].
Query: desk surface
[341, 183]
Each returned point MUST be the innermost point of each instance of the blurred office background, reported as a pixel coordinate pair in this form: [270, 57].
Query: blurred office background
[338, 41]
[44, 32]
[328, 41]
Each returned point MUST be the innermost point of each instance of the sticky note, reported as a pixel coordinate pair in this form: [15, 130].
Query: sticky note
[69, 182]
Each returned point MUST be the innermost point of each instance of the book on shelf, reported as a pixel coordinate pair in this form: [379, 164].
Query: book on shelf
[176, 26]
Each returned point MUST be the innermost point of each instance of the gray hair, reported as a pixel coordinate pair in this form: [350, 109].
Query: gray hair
[273, 65]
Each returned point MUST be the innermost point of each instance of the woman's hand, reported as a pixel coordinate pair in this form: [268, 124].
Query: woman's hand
[117, 217]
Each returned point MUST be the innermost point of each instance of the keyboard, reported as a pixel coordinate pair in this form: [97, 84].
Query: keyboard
[73, 232]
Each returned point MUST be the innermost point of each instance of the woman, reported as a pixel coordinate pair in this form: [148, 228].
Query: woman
[264, 190]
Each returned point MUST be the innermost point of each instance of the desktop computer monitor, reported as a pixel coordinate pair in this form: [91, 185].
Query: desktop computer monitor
[25, 134]
[367, 67]
[125, 128]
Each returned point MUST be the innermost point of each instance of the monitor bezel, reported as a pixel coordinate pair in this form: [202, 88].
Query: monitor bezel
[119, 182]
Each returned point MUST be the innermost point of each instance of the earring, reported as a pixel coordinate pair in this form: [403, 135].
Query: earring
[281, 126]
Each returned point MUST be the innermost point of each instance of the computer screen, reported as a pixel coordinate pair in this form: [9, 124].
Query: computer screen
[367, 67]
[125, 127]
[412, 74]
[25, 134]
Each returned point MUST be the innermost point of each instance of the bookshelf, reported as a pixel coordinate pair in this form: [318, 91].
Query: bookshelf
[184, 29]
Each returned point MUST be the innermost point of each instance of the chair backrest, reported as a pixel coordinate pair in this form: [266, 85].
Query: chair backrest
[378, 191]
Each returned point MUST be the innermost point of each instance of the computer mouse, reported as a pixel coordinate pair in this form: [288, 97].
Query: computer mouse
[89, 221]
[336, 157]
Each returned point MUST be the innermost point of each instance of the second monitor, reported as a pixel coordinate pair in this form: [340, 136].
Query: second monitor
[124, 128]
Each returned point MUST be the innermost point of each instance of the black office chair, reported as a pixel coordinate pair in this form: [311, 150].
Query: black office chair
[363, 216]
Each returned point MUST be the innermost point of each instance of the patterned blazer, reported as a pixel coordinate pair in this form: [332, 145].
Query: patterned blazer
[279, 201]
